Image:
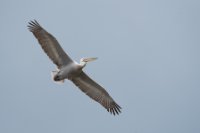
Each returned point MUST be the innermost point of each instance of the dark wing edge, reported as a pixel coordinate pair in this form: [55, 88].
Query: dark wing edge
[96, 92]
[49, 44]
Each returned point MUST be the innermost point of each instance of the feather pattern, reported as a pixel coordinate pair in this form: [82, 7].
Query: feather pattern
[96, 92]
[49, 44]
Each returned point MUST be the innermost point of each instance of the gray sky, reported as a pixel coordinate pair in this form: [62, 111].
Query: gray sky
[148, 54]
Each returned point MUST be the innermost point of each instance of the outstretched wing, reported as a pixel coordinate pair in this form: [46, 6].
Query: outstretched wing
[49, 44]
[96, 92]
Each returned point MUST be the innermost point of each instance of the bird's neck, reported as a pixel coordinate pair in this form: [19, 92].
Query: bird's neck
[82, 63]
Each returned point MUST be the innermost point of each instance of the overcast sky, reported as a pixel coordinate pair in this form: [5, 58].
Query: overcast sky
[148, 60]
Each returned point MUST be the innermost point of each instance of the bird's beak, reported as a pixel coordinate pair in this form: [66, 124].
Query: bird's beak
[89, 59]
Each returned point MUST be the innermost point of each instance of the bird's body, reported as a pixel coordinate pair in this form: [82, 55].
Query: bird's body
[69, 69]
[68, 72]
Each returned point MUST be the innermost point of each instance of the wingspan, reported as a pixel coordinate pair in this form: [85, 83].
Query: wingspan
[49, 44]
[96, 92]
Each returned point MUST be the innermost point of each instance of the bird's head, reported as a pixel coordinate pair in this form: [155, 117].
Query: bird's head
[84, 61]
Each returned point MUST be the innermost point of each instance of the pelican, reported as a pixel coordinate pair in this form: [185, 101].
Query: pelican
[71, 70]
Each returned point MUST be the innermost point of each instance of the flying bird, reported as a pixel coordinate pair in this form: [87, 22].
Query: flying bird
[71, 70]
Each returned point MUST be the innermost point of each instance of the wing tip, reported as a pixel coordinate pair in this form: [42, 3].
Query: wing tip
[33, 25]
[115, 109]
